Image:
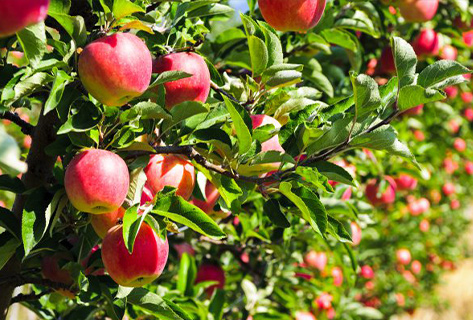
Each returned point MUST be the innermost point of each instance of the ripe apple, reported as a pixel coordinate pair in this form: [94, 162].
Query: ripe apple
[355, 233]
[184, 247]
[454, 204]
[468, 38]
[367, 272]
[418, 10]
[403, 256]
[18, 14]
[51, 271]
[416, 266]
[405, 182]
[97, 181]
[143, 266]
[146, 195]
[195, 88]
[170, 170]
[294, 15]
[316, 260]
[454, 126]
[324, 301]
[304, 315]
[115, 69]
[468, 113]
[211, 272]
[104, 222]
[467, 97]
[331, 313]
[400, 299]
[449, 165]
[387, 61]
[387, 197]
[459, 144]
[369, 285]
[451, 92]
[469, 167]
[419, 135]
[426, 43]
[415, 111]
[211, 194]
[449, 52]
[424, 225]
[337, 275]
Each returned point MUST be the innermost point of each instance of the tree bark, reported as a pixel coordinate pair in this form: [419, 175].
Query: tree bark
[39, 173]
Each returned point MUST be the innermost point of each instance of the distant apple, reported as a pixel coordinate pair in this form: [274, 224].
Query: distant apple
[18, 14]
[459, 144]
[211, 272]
[355, 233]
[403, 256]
[426, 43]
[367, 272]
[337, 275]
[418, 10]
[468, 113]
[387, 197]
[316, 260]
[449, 52]
[405, 182]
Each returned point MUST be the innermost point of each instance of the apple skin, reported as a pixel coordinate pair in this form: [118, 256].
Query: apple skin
[403, 256]
[305, 315]
[387, 197]
[211, 272]
[418, 10]
[337, 275]
[104, 222]
[324, 301]
[143, 266]
[415, 111]
[211, 194]
[405, 182]
[51, 271]
[316, 260]
[416, 266]
[459, 144]
[451, 92]
[170, 170]
[294, 15]
[97, 181]
[426, 43]
[388, 65]
[115, 69]
[449, 52]
[18, 14]
[195, 88]
[424, 225]
[469, 167]
[468, 38]
[468, 113]
[367, 272]
[272, 144]
[355, 233]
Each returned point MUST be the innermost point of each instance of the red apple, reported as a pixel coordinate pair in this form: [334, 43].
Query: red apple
[387, 61]
[468, 113]
[104, 222]
[387, 197]
[400, 299]
[211, 195]
[418, 10]
[18, 14]
[469, 167]
[272, 144]
[424, 225]
[449, 52]
[143, 266]
[316, 260]
[426, 43]
[468, 38]
[347, 194]
[451, 92]
[419, 135]
[449, 165]
[115, 69]
[147, 195]
[211, 272]
[405, 182]
[416, 266]
[97, 181]
[337, 275]
[367, 272]
[467, 97]
[454, 126]
[195, 88]
[184, 247]
[170, 170]
[294, 15]
[403, 256]
[355, 233]
[304, 315]
[324, 301]
[51, 271]
[459, 144]
[369, 285]
[331, 313]
[454, 204]
[414, 111]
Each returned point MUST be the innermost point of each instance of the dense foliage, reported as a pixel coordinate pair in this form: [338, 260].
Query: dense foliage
[347, 203]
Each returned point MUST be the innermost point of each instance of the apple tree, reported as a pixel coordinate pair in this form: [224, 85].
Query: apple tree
[182, 161]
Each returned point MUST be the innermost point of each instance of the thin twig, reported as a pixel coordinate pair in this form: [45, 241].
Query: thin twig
[29, 297]
[26, 127]
[229, 96]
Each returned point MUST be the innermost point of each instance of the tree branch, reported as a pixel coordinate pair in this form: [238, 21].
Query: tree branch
[26, 127]
[29, 297]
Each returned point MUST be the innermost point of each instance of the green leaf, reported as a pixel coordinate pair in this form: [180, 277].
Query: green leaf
[131, 225]
[439, 72]
[74, 26]
[334, 172]
[272, 210]
[336, 229]
[337, 134]
[10, 155]
[259, 55]
[217, 303]
[152, 303]
[273, 45]
[124, 8]
[366, 93]
[179, 210]
[187, 274]
[145, 110]
[12, 184]
[169, 76]
[87, 117]
[414, 95]
[9, 222]
[8, 246]
[242, 125]
[33, 42]
[60, 81]
[309, 204]
[405, 60]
